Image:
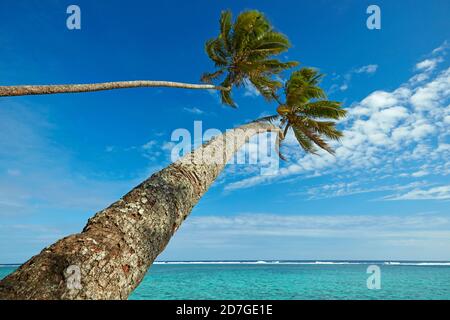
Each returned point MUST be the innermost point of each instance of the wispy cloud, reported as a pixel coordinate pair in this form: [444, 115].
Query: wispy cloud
[435, 193]
[370, 68]
[442, 48]
[259, 236]
[194, 110]
[316, 225]
[347, 77]
[341, 189]
[154, 149]
[428, 64]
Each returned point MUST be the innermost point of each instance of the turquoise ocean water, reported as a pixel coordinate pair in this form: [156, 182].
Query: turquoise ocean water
[291, 280]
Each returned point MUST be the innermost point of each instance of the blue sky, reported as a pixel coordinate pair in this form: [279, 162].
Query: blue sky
[384, 196]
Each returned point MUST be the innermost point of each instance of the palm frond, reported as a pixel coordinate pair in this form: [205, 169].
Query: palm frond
[313, 137]
[304, 141]
[249, 25]
[273, 66]
[209, 77]
[302, 86]
[226, 98]
[226, 95]
[326, 128]
[270, 43]
[270, 119]
[215, 53]
[322, 109]
[226, 23]
[267, 87]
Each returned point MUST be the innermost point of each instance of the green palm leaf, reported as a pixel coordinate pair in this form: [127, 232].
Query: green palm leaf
[313, 137]
[270, 119]
[209, 77]
[303, 86]
[226, 23]
[304, 141]
[326, 128]
[322, 109]
[216, 53]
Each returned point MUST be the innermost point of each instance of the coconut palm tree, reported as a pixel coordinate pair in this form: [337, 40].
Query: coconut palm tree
[243, 54]
[119, 244]
[243, 51]
[307, 112]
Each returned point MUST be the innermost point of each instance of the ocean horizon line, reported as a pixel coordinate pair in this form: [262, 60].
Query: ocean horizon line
[313, 262]
[392, 262]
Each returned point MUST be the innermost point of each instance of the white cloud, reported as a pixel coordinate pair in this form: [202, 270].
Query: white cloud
[151, 150]
[149, 145]
[420, 173]
[250, 90]
[447, 119]
[442, 48]
[427, 64]
[168, 146]
[431, 93]
[368, 69]
[435, 193]
[380, 99]
[420, 77]
[371, 68]
[194, 110]
[316, 225]
[341, 189]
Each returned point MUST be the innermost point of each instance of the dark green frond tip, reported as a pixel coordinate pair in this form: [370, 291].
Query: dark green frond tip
[246, 50]
[322, 109]
[304, 141]
[210, 77]
[227, 99]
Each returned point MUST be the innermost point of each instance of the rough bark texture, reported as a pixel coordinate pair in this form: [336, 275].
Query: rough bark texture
[73, 88]
[119, 244]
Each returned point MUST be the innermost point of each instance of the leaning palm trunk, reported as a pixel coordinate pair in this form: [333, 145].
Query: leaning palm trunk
[119, 244]
[73, 88]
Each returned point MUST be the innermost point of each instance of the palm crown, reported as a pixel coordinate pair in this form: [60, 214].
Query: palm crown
[243, 52]
[307, 111]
